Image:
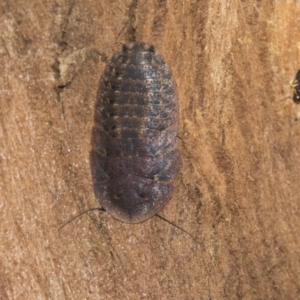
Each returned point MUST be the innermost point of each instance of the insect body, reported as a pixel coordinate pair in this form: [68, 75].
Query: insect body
[134, 157]
[296, 85]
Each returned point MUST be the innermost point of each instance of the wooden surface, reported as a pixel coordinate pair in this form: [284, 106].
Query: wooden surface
[238, 189]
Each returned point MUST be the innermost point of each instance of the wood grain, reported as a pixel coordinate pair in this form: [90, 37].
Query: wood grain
[238, 188]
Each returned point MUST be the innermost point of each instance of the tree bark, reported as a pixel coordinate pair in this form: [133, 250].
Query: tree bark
[238, 188]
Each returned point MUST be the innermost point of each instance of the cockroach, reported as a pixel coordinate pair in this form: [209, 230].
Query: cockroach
[134, 156]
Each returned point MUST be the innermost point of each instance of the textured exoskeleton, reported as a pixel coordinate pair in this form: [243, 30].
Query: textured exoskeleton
[134, 157]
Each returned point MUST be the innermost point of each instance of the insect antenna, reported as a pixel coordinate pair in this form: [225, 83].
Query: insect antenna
[178, 227]
[78, 215]
[101, 209]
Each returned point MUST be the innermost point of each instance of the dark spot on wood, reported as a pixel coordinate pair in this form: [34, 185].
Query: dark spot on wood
[296, 86]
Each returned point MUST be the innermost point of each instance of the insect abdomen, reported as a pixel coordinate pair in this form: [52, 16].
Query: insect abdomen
[134, 157]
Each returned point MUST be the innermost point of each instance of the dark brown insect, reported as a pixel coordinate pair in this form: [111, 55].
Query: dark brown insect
[296, 85]
[134, 157]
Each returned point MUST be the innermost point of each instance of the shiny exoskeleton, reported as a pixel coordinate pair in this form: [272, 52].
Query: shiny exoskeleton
[296, 86]
[134, 157]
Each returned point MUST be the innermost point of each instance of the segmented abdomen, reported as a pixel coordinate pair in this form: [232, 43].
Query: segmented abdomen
[134, 157]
